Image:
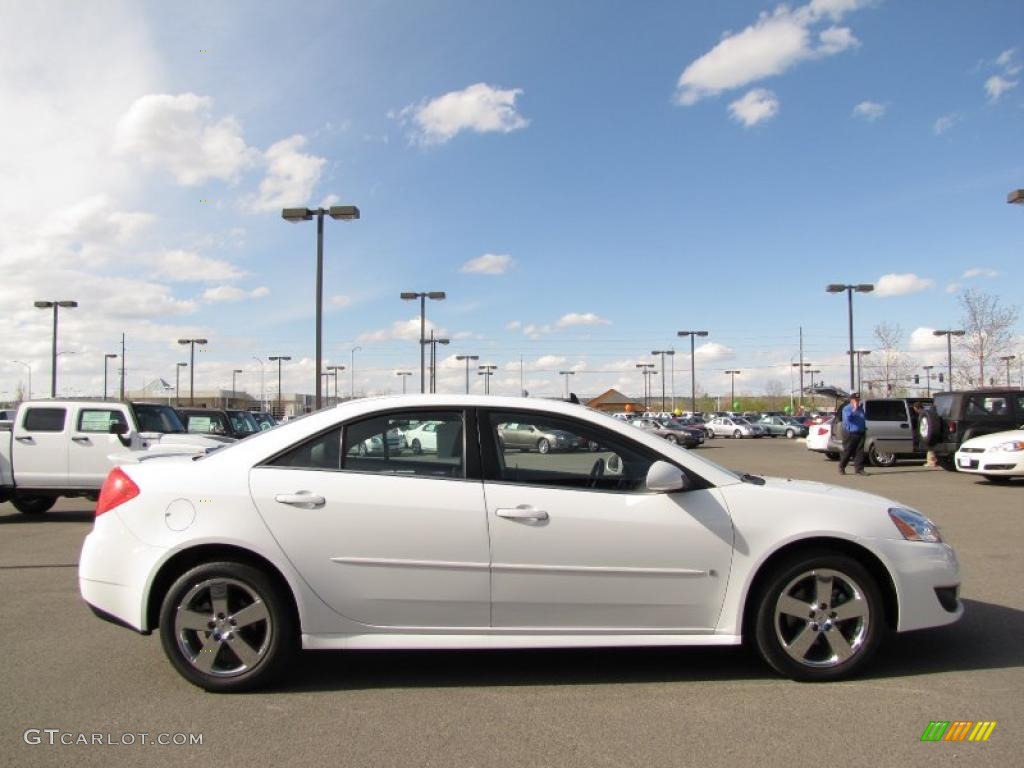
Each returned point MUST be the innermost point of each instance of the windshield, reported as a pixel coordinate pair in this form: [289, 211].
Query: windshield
[157, 418]
[243, 422]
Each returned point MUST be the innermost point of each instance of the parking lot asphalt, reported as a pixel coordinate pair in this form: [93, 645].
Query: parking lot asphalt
[64, 669]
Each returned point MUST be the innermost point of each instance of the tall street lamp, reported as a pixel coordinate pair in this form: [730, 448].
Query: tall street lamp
[928, 379]
[433, 359]
[949, 334]
[234, 373]
[850, 288]
[802, 367]
[337, 212]
[663, 353]
[423, 296]
[55, 305]
[693, 367]
[860, 366]
[177, 382]
[645, 370]
[468, 359]
[279, 359]
[334, 371]
[263, 396]
[29, 369]
[352, 369]
[487, 371]
[106, 358]
[1016, 197]
[405, 377]
[732, 398]
[1006, 359]
[813, 372]
[567, 374]
[192, 366]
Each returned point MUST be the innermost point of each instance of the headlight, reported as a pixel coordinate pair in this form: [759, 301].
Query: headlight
[1013, 445]
[914, 526]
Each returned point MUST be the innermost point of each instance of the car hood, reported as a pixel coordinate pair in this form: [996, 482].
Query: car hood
[996, 438]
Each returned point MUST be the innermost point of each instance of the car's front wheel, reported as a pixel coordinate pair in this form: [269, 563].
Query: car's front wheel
[737, 434]
[819, 617]
[790, 434]
[417, 447]
[226, 627]
[543, 446]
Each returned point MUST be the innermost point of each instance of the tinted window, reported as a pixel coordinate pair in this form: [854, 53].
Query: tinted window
[983, 406]
[320, 452]
[1020, 407]
[45, 419]
[885, 410]
[944, 405]
[423, 443]
[98, 420]
[207, 424]
[157, 418]
[243, 423]
[572, 455]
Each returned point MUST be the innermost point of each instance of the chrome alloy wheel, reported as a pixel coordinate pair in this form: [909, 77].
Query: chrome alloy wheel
[223, 627]
[822, 618]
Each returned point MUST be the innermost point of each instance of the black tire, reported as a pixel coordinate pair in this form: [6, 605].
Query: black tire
[543, 446]
[417, 447]
[33, 505]
[929, 428]
[880, 458]
[790, 434]
[831, 455]
[264, 645]
[946, 462]
[815, 644]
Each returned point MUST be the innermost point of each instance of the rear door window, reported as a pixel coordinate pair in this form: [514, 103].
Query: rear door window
[45, 419]
[987, 406]
[886, 410]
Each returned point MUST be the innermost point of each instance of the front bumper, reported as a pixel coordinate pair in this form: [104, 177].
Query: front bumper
[918, 570]
[998, 463]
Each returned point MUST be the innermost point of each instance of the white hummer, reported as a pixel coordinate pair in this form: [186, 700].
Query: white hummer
[56, 448]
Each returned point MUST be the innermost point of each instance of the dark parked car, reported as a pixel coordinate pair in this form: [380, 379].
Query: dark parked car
[959, 416]
[264, 419]
[783, 425]
[213, 421]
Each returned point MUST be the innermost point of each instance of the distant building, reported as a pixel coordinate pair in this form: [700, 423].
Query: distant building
[614, 401]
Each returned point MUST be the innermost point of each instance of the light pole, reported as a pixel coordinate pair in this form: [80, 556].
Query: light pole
[663, 353]
[106, 359]
[334, 371]
[55, 305]
[405, 376]
[337, 212]
[567, 374]
[487, 371]
[949, 334]
[850, 288]
[860, 365]
[423, 296]
[433, 359]
[1006, 359]
[29, 369]
[802, 367]
[352, 369]
[812, 373]
[693, 367]
[645, 371]
[928, 378]
[177, 377]
[192, 366]
[468, 359]
[263, 396]
[279, 359]
[732, 398]
[234, 373]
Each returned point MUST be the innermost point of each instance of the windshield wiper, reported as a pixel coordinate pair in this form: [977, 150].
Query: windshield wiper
[746, 477]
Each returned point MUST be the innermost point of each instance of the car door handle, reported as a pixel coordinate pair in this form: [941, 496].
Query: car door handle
[522, 512]
[81, 439]
[301, 499]
[25, 439]
[904, 426]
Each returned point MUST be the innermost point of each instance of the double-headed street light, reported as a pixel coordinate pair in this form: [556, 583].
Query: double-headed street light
[645, 370]
[567, 374]
[177, 382]
[405, 377]
[850, 288]
[949, 334]
[106, 358]
[423, 296]
[663, 353]
[433, 342]
[192, 366]
[487, 371]
[280, 359]
[55, 305]
[334, 372]
[468, 359]
[337, 212]
[693, 367]
[732, 399]
[1007, 359]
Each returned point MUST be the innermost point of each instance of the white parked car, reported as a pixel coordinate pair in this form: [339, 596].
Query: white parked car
[818, 436]
[734, 426]
[291, 537]
[998, 456]
[422, 438]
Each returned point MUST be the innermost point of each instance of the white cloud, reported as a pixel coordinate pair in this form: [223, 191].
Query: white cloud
[997, 85]
[513, 325]
[713, 351]
[340, 300]
[1008, 61]
[901, 284]
[489, 264]
[584, 318]
[182, 266]
[924, 340]
[402, 330]
[179, 135]
[480, 108]
[233, 293]
[755, 106]
[980, 272]
[772, 45]
[944, 123]
[952, 287]
[869, 110]
[291, 176]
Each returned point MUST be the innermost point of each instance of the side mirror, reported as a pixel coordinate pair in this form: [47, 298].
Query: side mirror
[118, 428]
[665, 477]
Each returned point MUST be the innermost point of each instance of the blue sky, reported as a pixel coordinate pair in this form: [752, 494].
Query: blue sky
[583, 179]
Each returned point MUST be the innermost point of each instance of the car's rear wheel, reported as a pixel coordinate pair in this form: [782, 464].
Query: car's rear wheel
[819, 617]
[790, 434]
[673, 439]
[880, 458]
[947, 463]
[831, 455]
[33, 505]
[227, 627]
[543, 446]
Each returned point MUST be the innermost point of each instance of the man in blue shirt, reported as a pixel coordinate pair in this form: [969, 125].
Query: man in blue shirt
[854, 431]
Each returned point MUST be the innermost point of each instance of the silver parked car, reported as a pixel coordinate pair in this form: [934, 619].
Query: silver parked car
[734, 426]
[528, 437]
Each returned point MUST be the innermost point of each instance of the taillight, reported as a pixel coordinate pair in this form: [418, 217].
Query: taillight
[822, 431]
[951, 426]
[117, 489]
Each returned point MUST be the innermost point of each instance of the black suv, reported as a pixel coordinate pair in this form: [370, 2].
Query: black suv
[959, 416]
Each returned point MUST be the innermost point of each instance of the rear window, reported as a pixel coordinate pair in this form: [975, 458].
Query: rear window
[45, 419]
[944, 405]
[885, 410]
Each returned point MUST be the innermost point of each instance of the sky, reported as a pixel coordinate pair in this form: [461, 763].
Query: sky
[583, 180]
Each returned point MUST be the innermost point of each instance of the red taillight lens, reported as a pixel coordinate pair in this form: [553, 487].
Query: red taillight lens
[951, 426]
[117, 489]
[822, 431]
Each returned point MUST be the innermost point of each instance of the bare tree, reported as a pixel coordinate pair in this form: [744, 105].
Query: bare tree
[989, 326]
[888, 363]
[775, 391]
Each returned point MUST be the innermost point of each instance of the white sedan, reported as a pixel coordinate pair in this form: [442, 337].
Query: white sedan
[293, 537]
[998, 456]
